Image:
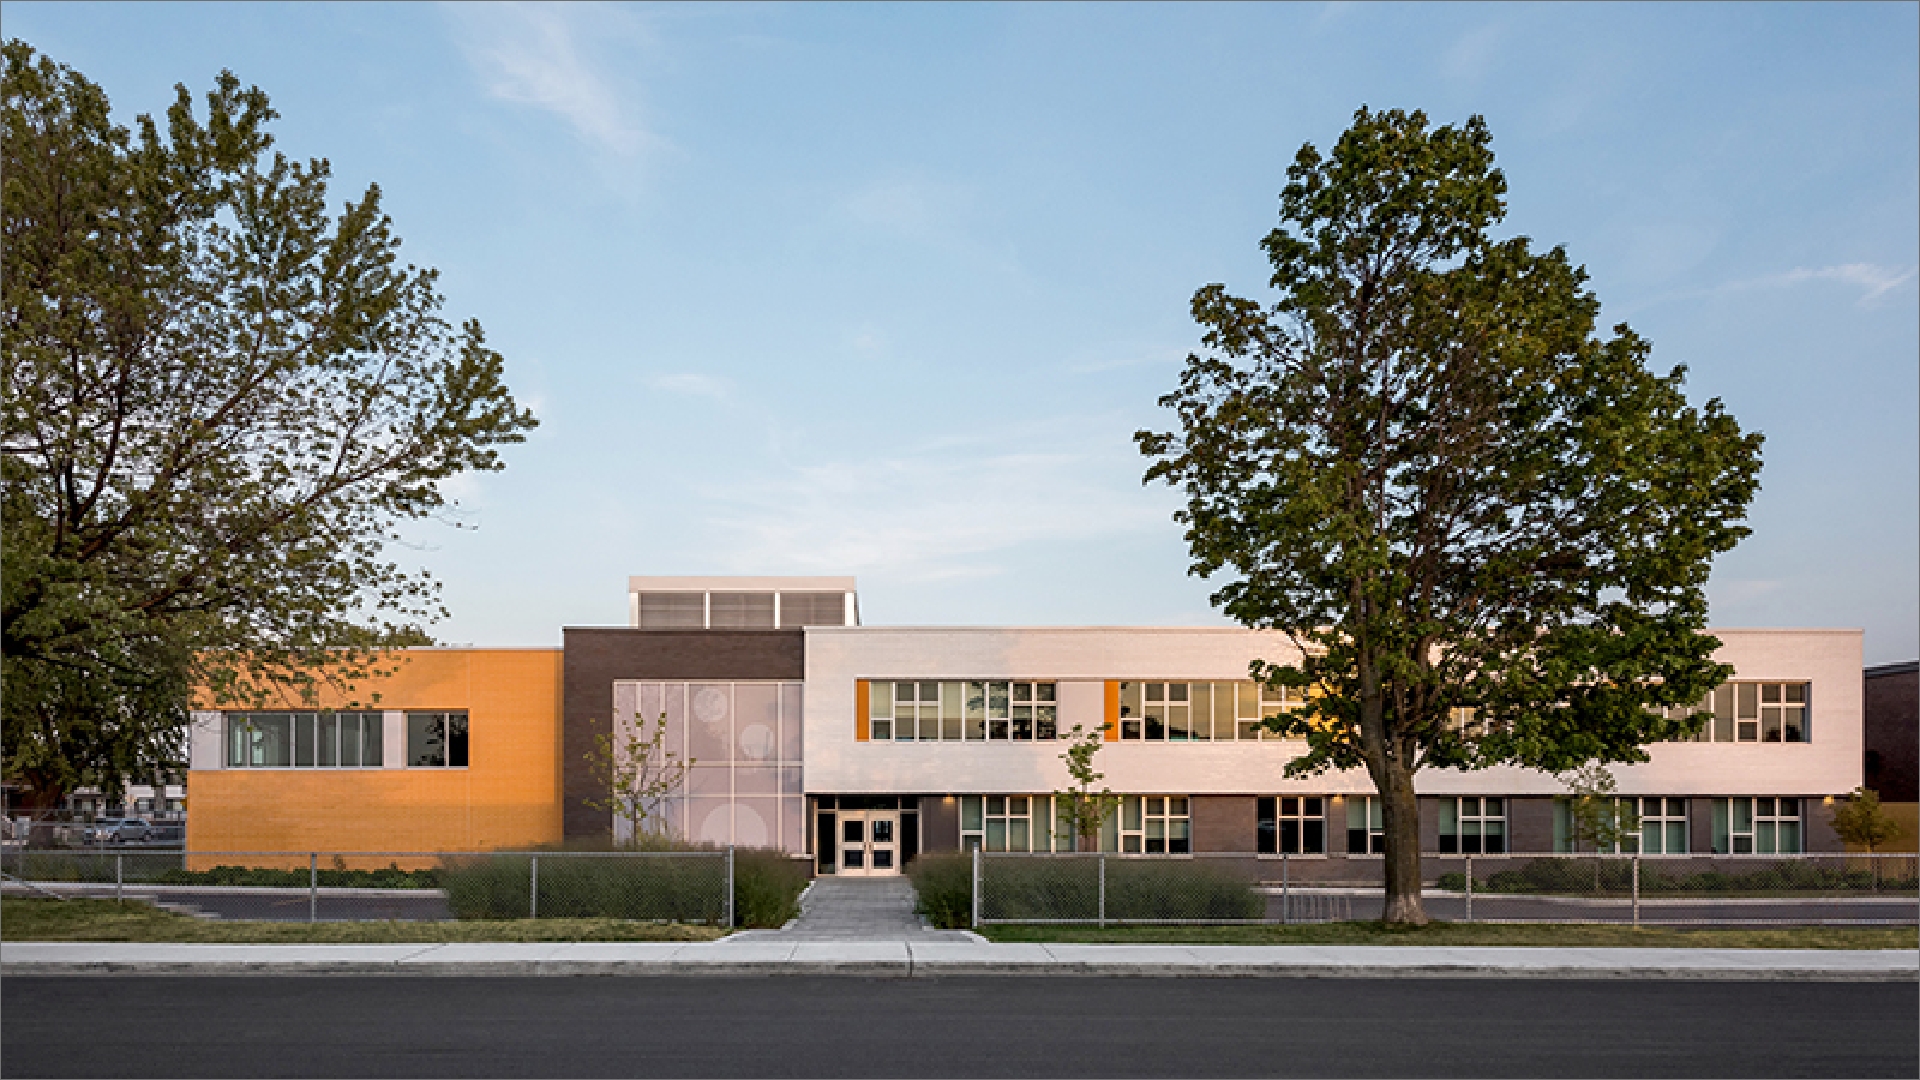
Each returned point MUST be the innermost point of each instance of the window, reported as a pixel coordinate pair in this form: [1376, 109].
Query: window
[437, 740]
[980, 711]
[1291, 825]
[1754, 712]
[1199, 711]
[1756, 826]
[1155, 825]
[1663, 826]
[305, 740]
[1366, 825]
[1014, 823]
[1473, 826]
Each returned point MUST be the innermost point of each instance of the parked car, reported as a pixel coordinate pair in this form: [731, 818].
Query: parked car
[118, 831]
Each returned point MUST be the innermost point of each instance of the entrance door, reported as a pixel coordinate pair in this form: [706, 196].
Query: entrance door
[869, 842]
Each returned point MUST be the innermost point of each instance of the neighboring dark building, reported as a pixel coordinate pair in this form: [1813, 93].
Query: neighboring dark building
[1891, 704]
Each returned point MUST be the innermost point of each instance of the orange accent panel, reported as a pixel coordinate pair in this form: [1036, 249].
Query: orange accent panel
[862, 694]
[1113, 711]
[507, 797]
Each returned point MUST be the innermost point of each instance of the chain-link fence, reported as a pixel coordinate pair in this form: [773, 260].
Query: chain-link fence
[700, 886]
[1696, 890]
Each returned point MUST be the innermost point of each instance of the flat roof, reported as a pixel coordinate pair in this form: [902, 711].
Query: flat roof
[740, 584]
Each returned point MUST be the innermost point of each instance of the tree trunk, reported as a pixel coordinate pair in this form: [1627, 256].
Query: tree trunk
[1400, 813]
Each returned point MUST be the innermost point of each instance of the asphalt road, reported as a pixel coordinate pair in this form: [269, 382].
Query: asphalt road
[842, 1026]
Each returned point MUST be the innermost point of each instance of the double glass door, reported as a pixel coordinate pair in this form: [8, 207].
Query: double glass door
[869, 842]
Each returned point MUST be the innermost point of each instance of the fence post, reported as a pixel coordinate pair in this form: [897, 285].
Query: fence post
[729, 886]
[118, 875]
[1469, 888]
[533, 887]
[975, 891]
[1286, 886]
[1636, 890]
[1103, 890]
[313, 886]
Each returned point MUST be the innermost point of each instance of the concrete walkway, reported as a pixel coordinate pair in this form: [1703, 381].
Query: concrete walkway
[773, 955]
[855, 910]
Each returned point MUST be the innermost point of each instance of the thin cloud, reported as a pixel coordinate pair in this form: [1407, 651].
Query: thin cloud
[946, 509]
[1872, 280]
[542, 55]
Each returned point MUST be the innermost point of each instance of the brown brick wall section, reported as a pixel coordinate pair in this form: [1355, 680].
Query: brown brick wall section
[1529, 826]
[1891, 704]
[597, 657]
[1225, 823]
[939, 823]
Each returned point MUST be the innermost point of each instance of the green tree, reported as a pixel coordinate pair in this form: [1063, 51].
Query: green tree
[1424, 466]
[1862, 822]
[638, 772]
[221, 400]
[1087, 810]
[1596, 816]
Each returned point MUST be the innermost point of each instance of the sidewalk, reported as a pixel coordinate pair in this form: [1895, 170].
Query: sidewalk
[915, 959]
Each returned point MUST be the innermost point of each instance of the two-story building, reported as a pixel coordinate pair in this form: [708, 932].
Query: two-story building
[859, 746]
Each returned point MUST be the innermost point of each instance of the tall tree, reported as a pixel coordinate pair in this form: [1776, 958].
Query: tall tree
[220, 400]
[1423, 464]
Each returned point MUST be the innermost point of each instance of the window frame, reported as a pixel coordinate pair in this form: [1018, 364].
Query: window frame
[1371, 812]
[450, 741]
[1272, 816]
[1766, 817]
[964, 710]
[301, 731]
[1484, 813]
[1034, 812]
[1154, 710]
[1739, 712]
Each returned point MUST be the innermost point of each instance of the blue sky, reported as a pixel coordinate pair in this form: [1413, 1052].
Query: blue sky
[885, 290]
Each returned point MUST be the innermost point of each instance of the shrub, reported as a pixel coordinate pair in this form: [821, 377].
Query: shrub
[1046, 887]
[683, 885]
[944, 884]
[766, 887]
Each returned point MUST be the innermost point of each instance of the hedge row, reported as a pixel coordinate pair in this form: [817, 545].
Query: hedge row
[1042, 888]
[1591, 876]
[687, 888]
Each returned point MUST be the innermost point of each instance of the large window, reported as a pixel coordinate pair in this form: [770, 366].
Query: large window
[1014, 823]
[1156, 825]
[1767, 712]
[1199, 711]
[983, 711]
[437, 740]
[1756, 826]
[1663, 826]
[1473, 825]
[1292, 825]
[304, 740]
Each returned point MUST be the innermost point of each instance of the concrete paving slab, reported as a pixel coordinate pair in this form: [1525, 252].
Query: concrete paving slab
[163, 957]
[851, 958]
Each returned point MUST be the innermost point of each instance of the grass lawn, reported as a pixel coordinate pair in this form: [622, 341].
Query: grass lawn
[32, 919]
[1575, 935]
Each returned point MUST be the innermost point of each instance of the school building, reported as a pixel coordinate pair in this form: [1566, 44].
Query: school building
[858, 746]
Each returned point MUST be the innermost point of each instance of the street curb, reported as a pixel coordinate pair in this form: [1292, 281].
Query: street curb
[904, 959]
[906, 971]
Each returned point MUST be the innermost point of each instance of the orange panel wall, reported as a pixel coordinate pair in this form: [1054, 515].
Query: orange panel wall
[507, 797]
